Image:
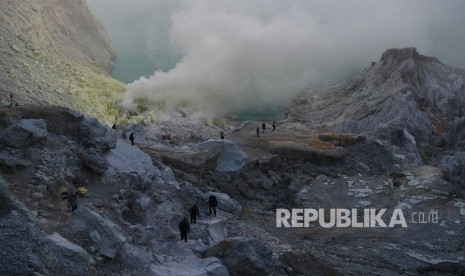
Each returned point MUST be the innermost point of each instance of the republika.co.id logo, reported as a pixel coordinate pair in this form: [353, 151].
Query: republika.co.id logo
[357, 218]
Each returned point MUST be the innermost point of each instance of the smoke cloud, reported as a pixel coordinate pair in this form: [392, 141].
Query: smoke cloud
[231, 56]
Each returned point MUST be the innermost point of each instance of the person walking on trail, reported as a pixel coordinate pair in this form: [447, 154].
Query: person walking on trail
[212, 203]
[263, 127]
[194, 213]
[131, 138]
[184, 229]
[258, 132]
[222, 135]
[72, 198]
[11, 97]
[274, 125]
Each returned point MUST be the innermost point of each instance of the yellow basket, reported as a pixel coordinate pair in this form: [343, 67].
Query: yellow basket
[82, 191]
[64, 193]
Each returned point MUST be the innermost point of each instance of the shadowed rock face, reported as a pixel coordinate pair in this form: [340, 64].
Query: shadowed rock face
[404, 91]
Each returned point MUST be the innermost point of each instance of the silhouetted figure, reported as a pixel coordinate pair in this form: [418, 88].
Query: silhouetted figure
[263, 127]
[194, 213]
[11, 97]
[113, 127]
[212, 203]
[274, 125]
[222, 135]
[72, 197]
[258, 132]
[184, 229]
[131, 138]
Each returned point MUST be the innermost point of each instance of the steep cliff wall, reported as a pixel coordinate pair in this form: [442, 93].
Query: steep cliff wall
[56, 52]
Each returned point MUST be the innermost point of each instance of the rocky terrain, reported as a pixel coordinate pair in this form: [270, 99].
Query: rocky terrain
[391, 137]
[127, 224]
[56, 53]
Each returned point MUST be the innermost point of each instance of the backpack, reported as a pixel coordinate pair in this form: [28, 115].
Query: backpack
[212, 200]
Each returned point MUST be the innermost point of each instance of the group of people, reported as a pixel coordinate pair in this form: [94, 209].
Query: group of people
[184, 226]
[264, 128]
[131, 136]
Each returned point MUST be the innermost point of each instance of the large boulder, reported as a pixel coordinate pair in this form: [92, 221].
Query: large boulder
[217, 231]
[244, 256]
[93, 160]
[93, 134]
[67, 252]
[131, 159]
[26, 133]
[231, 158]
[99, 234]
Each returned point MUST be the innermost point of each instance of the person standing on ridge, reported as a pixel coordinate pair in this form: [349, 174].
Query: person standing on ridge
[194, 213]
[274, 125]
[131, 138]
[212, 203]
[258, 131]
[263, 127]
[222, 135]
[184, 229]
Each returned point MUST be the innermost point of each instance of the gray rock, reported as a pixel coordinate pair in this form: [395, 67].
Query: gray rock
[68, 252]
[217, 231]
[231, 158]
[24, 251]
[93, 160]
[109, 240]
[14, 159]
[244, 256]
[26, 133]
[130, 159]
[215, 268]
[454, 165]
[94, 134]
[140, 205]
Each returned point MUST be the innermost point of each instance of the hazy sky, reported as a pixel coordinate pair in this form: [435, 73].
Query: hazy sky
[238, 55]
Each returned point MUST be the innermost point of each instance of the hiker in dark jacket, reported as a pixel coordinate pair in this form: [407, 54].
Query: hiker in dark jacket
[263, 127]
[274, 125]
[222, 135]
[184, 229]
[194, 213]
[258, 132]
[212, 203]
[131, 138]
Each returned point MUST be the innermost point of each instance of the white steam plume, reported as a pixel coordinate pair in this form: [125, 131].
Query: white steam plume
[242, 55]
